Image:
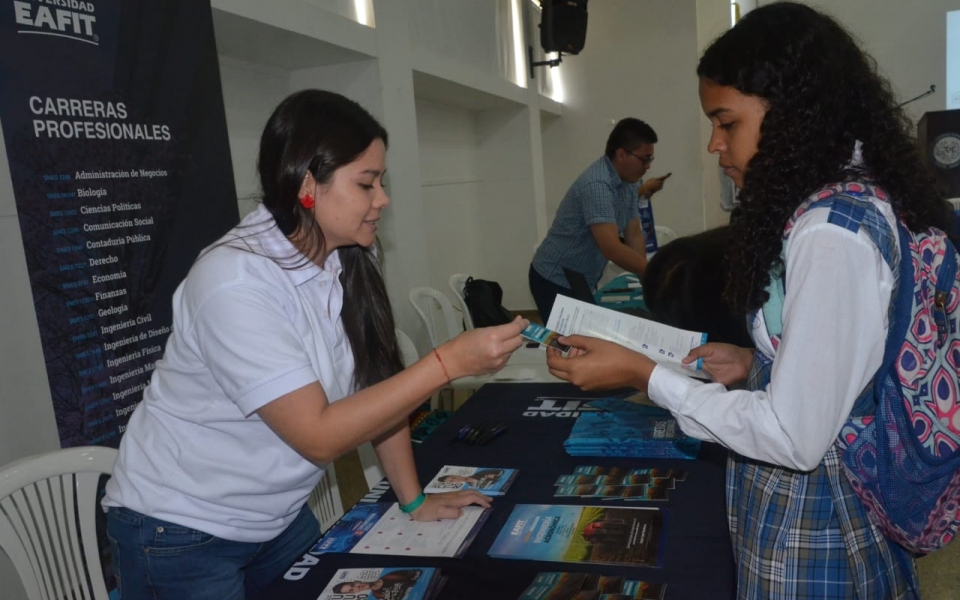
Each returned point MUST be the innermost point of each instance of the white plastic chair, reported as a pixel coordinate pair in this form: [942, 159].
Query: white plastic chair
[372, 469]
[441, 321]
[610, 272]
[437, 314]
[442, 324]
[48, 507]
[408, 351]
[324, 500]
[664, 235]
[523, 355]
[457, 281]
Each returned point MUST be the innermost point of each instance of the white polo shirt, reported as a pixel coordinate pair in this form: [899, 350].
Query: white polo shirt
[246, 331]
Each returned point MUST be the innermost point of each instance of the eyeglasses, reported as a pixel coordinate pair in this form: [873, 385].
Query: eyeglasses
[643, 159]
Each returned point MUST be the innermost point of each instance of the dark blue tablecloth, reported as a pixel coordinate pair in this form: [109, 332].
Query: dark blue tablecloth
[697, 560]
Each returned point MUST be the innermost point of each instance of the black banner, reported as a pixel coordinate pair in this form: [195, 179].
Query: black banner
[115, 132]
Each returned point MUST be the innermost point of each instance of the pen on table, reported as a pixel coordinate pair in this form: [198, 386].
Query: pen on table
[496, 431]
[463, 433]
[475, 434]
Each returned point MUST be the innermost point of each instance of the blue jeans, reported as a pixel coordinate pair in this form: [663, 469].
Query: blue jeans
[544, 293]
[158, 560]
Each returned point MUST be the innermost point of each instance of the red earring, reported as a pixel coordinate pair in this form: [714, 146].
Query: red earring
[307, 201]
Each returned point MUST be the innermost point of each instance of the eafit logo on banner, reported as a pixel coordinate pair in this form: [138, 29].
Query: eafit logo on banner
[71, 19]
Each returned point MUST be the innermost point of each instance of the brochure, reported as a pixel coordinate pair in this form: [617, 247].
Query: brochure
[579, 586]
[633, 484]
[381, 528]
[638, 432]
[383, 583]
[488, 481]
[663, 344]
[582, 534]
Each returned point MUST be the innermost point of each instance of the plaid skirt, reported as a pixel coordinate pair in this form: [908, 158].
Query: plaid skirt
[805, 535]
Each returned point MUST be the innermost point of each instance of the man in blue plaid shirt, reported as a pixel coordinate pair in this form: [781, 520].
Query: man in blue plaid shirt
[598, 219]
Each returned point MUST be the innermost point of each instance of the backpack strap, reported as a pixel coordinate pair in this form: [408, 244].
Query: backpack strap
[850, 208]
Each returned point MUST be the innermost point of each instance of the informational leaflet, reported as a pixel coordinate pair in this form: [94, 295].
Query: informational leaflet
[381, 528]
[582, 534]
[384, 583]
[486, 480]
[579, 586]
[663, 344]
[115, 133]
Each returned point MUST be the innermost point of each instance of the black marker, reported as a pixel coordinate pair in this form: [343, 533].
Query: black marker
[495, 432]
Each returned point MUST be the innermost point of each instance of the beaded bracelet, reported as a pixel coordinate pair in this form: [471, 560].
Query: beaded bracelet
[414, 504]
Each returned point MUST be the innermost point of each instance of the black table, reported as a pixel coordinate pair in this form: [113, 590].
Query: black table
[697, 555]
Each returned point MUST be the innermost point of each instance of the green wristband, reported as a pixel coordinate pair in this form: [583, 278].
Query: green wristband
[414, 504]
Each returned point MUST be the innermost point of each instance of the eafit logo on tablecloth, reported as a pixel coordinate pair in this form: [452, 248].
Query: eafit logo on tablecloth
[558, 408]
[71, 19]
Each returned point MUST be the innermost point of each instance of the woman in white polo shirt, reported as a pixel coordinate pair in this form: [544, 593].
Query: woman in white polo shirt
[282, 357]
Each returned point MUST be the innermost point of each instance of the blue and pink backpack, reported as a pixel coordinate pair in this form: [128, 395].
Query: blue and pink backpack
[901, 445]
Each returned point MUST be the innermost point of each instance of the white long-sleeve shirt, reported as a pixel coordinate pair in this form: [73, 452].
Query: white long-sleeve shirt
[835, 323]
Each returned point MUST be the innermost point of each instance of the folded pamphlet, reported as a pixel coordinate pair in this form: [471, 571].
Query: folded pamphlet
[386, 583]
[663, 344]
[577, 586]
[486, 480]
[582, 534]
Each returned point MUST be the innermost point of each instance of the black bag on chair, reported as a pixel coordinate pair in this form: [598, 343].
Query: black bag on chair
[483, 300]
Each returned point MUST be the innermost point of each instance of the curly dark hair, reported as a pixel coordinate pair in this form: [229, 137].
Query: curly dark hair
[823, 94]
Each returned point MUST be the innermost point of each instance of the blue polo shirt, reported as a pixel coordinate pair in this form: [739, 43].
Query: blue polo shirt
[597, 196]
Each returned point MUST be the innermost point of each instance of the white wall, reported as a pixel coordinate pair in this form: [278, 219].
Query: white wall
[953, 60]
[507, 216]
[252, 92]
[639, 61]
[450, 175]
[908, 40]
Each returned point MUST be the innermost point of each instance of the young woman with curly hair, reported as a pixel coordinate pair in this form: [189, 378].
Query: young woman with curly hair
[797, 109]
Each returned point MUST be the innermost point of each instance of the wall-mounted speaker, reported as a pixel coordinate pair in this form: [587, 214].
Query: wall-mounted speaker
[563, 25]
[939, 135]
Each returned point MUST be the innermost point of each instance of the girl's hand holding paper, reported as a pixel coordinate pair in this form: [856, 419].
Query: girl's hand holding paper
[595, 364]
[726, 363]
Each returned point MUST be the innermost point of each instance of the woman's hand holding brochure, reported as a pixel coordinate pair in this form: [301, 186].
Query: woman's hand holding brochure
[725, 363]
[611, 349]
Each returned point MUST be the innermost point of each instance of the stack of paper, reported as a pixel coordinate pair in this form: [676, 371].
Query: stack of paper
[631, 430]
